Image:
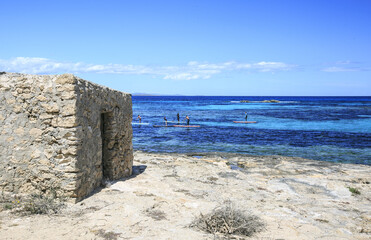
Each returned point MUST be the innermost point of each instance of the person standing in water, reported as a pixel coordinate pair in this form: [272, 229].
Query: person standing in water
[187, 119]
[245, 116]
[178, 117]
[139, 118]
[165, 121]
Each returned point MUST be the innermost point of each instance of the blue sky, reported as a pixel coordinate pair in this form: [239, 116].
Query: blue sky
[242, 48]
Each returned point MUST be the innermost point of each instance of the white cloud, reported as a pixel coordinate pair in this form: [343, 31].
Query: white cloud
[192, 63]
[185, 76]
[346, 66]
[338, 69]
[192, 70]
[271, 66]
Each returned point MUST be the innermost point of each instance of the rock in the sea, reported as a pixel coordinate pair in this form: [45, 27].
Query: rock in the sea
[271, 101]
[265, 101]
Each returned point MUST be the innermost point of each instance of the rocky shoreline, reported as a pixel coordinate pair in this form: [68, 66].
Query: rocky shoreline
[296, 198]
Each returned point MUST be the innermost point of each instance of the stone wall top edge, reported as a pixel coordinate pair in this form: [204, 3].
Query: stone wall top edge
[4, 75]
[14, 76]
[83, 81]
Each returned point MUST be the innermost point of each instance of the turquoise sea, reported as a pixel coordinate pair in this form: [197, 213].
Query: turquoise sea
[336, 129]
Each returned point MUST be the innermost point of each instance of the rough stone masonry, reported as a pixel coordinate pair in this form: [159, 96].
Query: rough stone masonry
[62, 132]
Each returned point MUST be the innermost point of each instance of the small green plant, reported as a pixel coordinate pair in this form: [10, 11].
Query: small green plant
[8, 206]
[354, 191]
[6, 202]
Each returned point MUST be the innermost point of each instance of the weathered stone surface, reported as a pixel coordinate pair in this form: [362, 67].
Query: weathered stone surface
[296, 198]
[62, 131]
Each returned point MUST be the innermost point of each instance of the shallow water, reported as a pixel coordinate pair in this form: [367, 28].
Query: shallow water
[334, 129]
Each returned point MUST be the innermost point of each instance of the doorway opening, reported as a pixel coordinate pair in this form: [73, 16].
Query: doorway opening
[105, 128]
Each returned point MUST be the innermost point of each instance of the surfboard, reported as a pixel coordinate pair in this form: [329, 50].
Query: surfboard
[140, 123]
[244, 121]
[163, 126]
[187, 126]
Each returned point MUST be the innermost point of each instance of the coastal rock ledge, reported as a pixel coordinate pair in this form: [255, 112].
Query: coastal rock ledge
[296, 198]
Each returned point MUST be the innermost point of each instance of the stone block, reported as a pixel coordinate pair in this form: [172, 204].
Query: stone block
[46, 116]
[27, 96]
[65, 122]
[68, 110]
[19, 131]
[10, 101]
[50, 107]
[68, 95]
[66, 79]
[44, 161]
[18, 109]
[41, 98]
[36, 154]
[70, 151]
[35, 132]
[66, 88]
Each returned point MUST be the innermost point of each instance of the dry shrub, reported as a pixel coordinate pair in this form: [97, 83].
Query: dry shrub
[156, 214]
[107, 235]
[228, 220]
[36, 203]
[42, 204]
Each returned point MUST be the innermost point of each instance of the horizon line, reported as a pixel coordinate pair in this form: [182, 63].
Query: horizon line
[181, 95]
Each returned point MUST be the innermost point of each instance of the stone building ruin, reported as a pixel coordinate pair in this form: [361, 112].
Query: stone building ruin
[60, 131]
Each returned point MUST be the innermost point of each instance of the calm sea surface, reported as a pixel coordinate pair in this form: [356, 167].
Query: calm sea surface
[336, 129]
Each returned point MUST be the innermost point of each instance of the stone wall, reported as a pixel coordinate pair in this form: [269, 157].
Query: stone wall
[59, 131]
[103, 114]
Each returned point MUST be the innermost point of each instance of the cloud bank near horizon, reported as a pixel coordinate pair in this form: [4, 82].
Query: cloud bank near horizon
[345, 66]
[192, 70]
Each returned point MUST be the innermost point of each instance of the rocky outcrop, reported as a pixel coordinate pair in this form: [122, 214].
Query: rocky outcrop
[62, 132]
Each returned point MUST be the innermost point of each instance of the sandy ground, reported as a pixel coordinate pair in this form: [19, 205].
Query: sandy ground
[296, 198]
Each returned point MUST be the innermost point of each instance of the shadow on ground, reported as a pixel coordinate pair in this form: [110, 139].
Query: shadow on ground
[136, 171]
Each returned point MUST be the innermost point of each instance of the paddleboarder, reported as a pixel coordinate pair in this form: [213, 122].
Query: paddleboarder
[139, 118]
[245, 116]
[187, 119]
[165, 121]
[178, 117]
